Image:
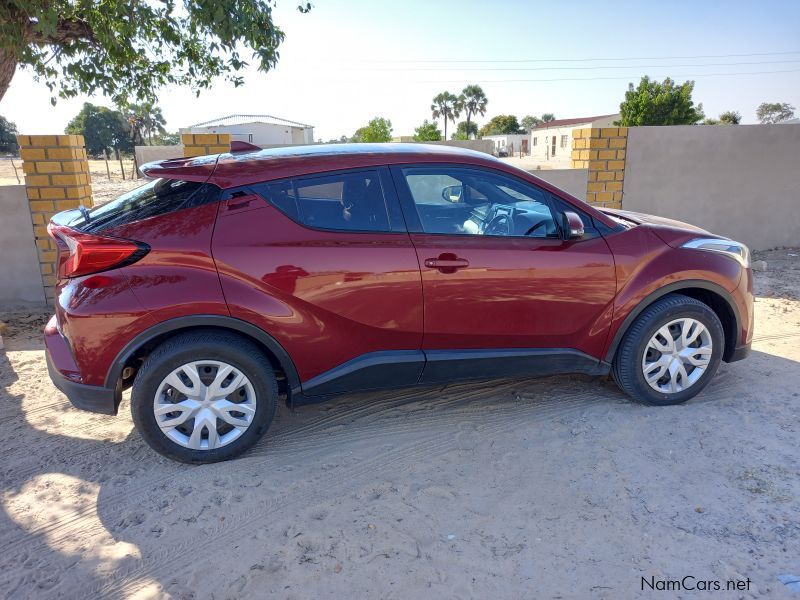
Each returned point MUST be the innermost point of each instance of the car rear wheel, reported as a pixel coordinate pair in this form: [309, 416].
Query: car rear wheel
[203, 397]
[670, 352]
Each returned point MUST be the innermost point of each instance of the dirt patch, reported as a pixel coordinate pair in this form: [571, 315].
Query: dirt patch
[557, 487]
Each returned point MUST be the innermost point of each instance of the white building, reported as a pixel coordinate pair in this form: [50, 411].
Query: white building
[551, 143]
[261, 130]
[509, 144]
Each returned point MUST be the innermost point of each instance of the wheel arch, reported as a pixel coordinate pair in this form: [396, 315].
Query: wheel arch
[136, 349]
[707, 292]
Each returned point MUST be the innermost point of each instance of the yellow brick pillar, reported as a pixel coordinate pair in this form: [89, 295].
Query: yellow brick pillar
[56, 178]
[602, 151]
[200, 144]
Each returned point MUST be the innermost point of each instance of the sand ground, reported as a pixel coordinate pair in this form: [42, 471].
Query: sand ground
[550, 488]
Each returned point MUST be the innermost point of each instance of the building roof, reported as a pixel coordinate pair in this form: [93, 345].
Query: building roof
[242, 119]
[576, 121]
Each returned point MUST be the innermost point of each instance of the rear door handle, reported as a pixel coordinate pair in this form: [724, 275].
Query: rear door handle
[447, 263]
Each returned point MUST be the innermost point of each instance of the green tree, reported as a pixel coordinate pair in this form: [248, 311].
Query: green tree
[774, 112]
[547, 117]
[473, 101]
[465, 131]
[447, 106]
[501, 124]
[8, 136]
[119, 46]
[166, 139]
[427, 132]
[659, 103]
[102, 128]
[377, 130]
[529, 122]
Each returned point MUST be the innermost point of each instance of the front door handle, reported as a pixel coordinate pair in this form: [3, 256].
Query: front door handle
[447, 263]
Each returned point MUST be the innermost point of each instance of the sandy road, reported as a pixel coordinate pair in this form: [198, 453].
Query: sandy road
[557, 487]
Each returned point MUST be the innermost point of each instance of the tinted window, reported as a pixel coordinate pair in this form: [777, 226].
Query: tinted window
[157, 197]
[345, 202]
[459, 200]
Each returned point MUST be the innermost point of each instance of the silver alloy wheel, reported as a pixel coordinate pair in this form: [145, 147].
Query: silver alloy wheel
[677, 355]
[204, 404]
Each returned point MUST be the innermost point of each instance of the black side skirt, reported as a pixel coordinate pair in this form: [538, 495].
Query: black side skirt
[404, 368]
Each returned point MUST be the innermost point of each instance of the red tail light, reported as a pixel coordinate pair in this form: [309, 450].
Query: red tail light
[83, 253]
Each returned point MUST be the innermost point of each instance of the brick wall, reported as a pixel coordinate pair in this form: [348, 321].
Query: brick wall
[56, 179]
[200, 144]
[602, 151]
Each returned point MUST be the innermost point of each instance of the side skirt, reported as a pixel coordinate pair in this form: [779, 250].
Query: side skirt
[406, 368]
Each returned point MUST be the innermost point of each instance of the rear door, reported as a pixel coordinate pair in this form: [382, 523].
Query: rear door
[496, 274]
[324, 264]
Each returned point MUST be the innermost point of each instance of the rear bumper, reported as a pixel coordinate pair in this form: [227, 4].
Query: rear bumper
[86, 397]
[65, 376]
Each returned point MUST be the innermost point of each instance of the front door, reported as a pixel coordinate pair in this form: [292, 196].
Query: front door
[496, 274]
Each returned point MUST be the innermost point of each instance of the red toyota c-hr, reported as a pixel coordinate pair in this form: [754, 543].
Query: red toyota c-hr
[314, 271]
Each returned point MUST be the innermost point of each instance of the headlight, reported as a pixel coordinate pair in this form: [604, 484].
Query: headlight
[736, 250]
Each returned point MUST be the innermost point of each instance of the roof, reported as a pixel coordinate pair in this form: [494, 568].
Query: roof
[575, 121]
[244, 168]
[242, 119]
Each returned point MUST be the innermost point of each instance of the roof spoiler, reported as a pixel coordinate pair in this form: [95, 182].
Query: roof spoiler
[238, 146]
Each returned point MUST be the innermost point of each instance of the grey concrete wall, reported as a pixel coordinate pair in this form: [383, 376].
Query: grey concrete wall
[572, 181]
[146, 154]
[20, 280]
[740, 181]
[485, 146]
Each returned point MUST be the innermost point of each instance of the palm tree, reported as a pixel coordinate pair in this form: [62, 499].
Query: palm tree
[474, 102]
[149, 118]
[448, 106]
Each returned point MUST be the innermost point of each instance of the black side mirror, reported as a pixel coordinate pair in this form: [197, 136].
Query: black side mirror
[571, 225]
[453, 193]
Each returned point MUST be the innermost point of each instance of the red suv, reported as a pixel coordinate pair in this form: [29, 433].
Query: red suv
[307, 272]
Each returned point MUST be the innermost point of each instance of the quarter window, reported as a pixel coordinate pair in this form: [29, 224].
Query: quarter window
[352, 201]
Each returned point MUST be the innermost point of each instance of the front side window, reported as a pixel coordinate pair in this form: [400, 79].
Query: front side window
[466, 201]
[352, 201]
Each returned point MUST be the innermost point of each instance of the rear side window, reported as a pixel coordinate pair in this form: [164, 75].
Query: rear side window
[352, 201]
[157, 197]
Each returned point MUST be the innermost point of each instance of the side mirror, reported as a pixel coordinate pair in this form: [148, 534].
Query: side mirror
[572, 225]
[453, 193]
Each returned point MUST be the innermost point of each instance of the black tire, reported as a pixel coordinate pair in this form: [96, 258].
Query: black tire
[627, 365]
[204, 345]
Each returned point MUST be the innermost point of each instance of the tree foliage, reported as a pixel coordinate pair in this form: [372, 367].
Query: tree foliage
[529, 122]
[774, 112]
[473, 101]
[8, 135]
[547, 117]
[448, 106]
[102, 128]
[659, 103]
[119, 47]
[377, 130]
[465, 131]
[501, 124]
[427, 132]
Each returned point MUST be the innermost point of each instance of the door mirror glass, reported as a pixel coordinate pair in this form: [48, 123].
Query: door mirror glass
[572, 225]
[453, 193]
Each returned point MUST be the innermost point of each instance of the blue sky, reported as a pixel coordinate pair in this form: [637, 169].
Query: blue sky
[347, 61]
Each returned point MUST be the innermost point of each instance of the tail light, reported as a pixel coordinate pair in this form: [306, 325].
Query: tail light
[83, 253]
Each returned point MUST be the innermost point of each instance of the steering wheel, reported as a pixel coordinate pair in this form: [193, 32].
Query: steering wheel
[499, 225]
[537, 225]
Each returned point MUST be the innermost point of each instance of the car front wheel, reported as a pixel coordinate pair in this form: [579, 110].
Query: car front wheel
[203, 397]
[670, 352]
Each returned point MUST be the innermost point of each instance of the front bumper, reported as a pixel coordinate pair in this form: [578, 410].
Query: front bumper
[65, 376]
[740, 353]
